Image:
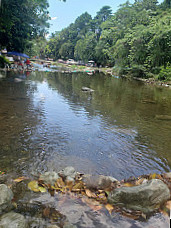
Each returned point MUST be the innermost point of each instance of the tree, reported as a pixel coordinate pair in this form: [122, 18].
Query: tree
[120, 53]
[103, 15]
[53, 46]
[85, 48]
[159, 44]
[146, 4]
[36, 47]
[166, 4]
[82, 24]
[66, 50]
[136, 39]
[102, 53]
[21, 21]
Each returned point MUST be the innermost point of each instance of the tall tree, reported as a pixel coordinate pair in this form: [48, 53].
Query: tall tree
[102, 15]
[21, 21]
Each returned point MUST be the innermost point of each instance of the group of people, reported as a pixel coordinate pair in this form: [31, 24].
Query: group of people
[21, 65]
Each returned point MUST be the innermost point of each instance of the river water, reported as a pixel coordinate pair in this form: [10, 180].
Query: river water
[48, 123]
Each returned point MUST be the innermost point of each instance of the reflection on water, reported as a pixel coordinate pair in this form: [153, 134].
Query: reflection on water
[47, 123]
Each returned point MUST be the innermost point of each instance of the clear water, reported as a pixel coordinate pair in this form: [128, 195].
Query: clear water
[48, 123]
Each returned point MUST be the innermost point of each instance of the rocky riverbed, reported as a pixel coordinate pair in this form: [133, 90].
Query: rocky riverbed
[33, 203]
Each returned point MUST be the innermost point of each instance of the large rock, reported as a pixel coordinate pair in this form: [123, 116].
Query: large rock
[99, 182]
[3, 178]
[49, 177]
[146, 197]
[13, 220]
[6, 196]
[68, 173]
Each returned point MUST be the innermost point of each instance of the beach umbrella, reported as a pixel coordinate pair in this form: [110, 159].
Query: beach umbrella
[18, 54]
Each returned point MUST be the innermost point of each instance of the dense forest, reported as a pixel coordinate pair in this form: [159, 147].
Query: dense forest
[21, 22]
[136, 39]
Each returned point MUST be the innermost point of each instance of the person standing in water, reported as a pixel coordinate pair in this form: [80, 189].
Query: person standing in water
[28, 63]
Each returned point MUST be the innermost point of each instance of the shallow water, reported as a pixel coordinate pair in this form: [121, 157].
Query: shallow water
[47, 123]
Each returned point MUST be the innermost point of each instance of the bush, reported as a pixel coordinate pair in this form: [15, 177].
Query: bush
[121, 71]
[138, 71]
[3, 61]
[165, 74]
[155, 70]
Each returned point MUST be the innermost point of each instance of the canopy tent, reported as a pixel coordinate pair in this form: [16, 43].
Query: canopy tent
[18, 54]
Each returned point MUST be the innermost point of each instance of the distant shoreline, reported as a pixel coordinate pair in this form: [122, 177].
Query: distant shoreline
[67, 68]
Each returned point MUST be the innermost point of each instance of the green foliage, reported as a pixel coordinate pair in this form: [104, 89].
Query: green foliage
[166, 4]
[22, 21]
[165, 74]
[85, 48]
[3, 61]
[66, 50]
[135, 40]
[36, 47]
[138, 71]
[102, 53]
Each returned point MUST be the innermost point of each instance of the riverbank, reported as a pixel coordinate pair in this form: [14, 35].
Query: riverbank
[27, 201]
[110, 71]
[67, 68]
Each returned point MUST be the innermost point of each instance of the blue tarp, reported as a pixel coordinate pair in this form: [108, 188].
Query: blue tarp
[18, 54]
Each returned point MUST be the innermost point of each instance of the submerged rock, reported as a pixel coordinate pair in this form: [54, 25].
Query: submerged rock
[18, 80]
[146, 197]
[98, 181]
[86, 89]
[41, 211]
[6, 196]
[13, 220]
[49, 177]
[68, 173]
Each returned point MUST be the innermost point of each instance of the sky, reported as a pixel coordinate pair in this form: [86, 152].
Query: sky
[65, 13]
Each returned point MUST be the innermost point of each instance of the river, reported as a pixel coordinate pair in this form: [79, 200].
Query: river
[48, 123]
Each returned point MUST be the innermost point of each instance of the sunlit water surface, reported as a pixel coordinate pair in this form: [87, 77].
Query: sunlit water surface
[48, 123]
